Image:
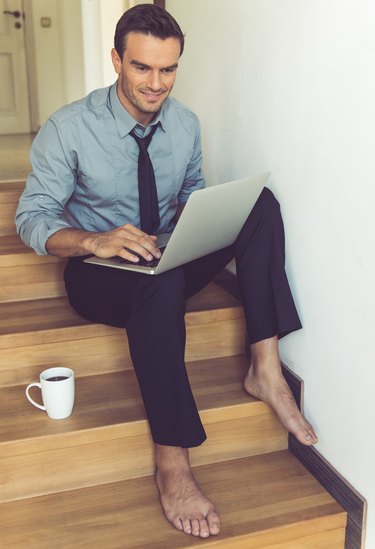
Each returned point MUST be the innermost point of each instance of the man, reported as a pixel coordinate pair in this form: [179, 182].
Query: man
[83, 197]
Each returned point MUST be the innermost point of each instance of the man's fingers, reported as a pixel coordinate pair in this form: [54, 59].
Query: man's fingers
[139, 242]
[129, 254]
[127, 242]
[125, 254]
[137, 232]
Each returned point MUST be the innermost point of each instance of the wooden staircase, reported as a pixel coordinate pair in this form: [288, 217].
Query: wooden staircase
[87, 481]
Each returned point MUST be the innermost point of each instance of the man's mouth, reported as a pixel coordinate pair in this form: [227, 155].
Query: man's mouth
[152, 96]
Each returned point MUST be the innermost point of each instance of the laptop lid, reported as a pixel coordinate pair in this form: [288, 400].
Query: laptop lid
[211, 220]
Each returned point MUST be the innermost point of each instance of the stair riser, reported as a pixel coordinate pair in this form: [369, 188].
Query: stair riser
[105, 461]
[28, 282]
[7, 213]
[98, 355]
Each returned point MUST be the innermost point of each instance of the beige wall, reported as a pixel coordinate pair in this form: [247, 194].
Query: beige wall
[73, 55]
[289, 86]
[49, 59]
[58, 54]
[70, 14]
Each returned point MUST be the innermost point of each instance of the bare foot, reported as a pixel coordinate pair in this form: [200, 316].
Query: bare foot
[184, 505]
[272, 388]
[265, 381]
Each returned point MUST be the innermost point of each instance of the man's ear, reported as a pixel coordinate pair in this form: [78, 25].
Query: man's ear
[116, 61]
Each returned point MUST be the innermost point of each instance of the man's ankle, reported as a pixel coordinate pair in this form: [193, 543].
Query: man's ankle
[171, 458]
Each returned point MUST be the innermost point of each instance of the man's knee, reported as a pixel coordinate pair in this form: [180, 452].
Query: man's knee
[166, 290]
[267, 202]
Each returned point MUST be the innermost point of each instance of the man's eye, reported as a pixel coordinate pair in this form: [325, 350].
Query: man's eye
[168, 71]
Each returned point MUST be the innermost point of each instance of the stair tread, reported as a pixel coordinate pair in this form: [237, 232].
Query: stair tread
[10, 191]
[113, 399]
[260, 498]
[13, 252]
[13, 244]
[24, 317]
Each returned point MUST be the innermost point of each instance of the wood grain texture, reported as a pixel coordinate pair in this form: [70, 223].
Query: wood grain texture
[109, 422]
[38, 334]
[28, 317]
[14, 157]
[31, 282]
[10, 191]
[109, 353]
[14, 252]
[350, 499]
[326, 539]
[264, 501]
[7, 213]
[9, 197]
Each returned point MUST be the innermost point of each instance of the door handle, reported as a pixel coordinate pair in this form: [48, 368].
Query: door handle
[15, 14]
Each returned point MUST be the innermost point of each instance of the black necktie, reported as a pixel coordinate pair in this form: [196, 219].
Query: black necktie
[148, 196]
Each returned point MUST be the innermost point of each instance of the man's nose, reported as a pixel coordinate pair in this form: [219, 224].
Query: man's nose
[154, 81]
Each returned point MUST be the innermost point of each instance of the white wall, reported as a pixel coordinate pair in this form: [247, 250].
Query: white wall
[289, 86]
[98, 23]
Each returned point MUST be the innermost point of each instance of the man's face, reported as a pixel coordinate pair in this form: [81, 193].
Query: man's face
[146, 74]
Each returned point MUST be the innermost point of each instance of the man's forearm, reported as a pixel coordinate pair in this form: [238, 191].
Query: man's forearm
[70, 243]
[125, 241]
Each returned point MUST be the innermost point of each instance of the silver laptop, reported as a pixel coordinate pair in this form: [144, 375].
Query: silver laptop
[211, 220]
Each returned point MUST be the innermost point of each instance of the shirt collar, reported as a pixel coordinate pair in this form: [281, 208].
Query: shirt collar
[124, 121]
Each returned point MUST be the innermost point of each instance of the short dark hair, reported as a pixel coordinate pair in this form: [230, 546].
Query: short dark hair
[147, 19]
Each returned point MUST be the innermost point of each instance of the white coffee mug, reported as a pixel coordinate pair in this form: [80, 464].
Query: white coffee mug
[57, 386]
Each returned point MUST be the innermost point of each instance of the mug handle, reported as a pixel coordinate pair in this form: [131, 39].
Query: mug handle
[29, 397]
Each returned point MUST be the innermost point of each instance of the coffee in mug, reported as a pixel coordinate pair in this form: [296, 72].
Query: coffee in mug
[57, 387]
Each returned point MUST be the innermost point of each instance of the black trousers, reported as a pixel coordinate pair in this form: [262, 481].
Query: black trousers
[152, 310]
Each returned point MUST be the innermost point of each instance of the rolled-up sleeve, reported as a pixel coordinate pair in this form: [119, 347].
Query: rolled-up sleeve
[194, 178]
[48, 188]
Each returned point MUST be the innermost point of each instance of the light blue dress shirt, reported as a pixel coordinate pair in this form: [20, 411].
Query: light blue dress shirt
[85, 164]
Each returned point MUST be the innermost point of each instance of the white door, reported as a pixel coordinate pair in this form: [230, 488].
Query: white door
[14, 102]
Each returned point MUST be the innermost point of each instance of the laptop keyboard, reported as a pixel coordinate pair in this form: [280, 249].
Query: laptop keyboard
[142, 261]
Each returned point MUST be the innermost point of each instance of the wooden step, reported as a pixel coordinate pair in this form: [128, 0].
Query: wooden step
[268, 501]
[37, 334]
[9, 197]
[14, 156]
[27, 276]
[108, 429]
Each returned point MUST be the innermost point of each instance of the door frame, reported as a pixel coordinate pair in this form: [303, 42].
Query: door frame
[27, 9]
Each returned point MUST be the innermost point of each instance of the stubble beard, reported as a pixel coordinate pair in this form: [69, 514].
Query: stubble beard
[140, 105]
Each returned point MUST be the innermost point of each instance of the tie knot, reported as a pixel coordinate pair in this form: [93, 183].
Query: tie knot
[143, 142]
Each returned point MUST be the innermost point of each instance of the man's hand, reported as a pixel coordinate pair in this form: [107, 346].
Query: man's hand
[125, 241]
[122, 242]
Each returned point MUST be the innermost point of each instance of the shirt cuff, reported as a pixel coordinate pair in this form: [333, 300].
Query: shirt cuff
[41, 233]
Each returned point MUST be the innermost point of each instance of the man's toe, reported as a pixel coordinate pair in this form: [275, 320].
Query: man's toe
[195, 527]
[204, 528]
[186, 524]
[213, 522]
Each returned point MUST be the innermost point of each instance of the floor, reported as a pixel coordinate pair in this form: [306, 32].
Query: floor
[14, 156]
